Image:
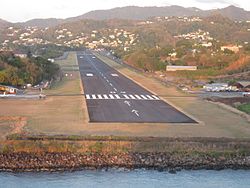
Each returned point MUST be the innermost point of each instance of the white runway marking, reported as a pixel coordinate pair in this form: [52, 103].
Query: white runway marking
[126, 97]
[136, 112]
[150, 97]
[111, 97]
[127, 102]
[114, 75]
[142, 96]
[117, 96]
[121, 97]
[89, 74]
[155, 97]
[138, 97]
[132, 97]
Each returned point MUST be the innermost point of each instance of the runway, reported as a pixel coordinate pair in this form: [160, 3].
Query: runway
[112, 97]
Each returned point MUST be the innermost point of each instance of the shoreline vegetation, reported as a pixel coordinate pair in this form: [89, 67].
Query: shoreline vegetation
[70, 153]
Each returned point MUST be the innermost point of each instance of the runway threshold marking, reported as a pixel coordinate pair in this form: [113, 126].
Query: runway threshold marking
[120, 97]
[138, 97]
[149, 97]
[142, 96]
[126, 96]
[117, 96]
[155, 97]
[111, 97]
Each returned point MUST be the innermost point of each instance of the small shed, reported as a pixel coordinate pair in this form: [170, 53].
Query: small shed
[8, 89]
[20, 54]
[243, 85]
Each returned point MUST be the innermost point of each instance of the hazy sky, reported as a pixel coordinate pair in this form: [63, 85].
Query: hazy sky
[22, 10]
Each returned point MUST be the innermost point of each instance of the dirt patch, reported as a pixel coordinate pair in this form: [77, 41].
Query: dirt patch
[231, 101]
[15, 123]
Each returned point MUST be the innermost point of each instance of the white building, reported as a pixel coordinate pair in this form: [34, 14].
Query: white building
[179, 68]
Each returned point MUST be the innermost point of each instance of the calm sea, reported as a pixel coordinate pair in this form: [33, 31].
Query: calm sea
[127, 179]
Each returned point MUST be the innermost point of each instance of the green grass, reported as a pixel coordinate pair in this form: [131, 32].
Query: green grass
[69, 64]
[197, 74]
[245, 108]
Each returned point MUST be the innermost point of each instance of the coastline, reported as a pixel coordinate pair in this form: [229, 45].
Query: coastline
[40, 154]
[51, 162]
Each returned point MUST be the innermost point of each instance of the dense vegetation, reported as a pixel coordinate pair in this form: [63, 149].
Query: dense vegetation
[245, 108]
[17, 72]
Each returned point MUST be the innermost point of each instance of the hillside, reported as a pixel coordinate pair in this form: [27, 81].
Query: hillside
[235, 13]
[146, 44]
[50, 22]
[19, 71]
[142, 13]
[4, 24]
[138, 13]
[131, 34]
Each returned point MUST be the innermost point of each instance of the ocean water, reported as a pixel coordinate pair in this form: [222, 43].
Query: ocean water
[128, 179]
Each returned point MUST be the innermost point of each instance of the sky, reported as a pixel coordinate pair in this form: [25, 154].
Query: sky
[23, 10]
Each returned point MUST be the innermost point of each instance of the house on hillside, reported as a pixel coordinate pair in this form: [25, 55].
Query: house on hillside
[7, 90]
[216, 87]
[233, 48]
[242, 85]
[21, 55]
[178, 68]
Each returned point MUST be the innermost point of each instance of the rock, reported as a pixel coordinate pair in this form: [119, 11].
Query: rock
[160, 169]
[177, 169]
[172, 171]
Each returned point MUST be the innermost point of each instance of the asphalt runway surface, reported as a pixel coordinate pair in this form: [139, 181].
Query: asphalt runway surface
[112, 97]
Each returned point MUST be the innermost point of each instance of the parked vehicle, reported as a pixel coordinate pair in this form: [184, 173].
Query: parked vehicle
[246, 94]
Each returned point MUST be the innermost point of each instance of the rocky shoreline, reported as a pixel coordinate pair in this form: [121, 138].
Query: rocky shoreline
[172, 162]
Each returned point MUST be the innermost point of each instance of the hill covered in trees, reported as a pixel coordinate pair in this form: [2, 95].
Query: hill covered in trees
[17, 72]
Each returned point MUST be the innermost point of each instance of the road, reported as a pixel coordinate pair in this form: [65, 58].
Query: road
[207, 94]
[112, 97]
